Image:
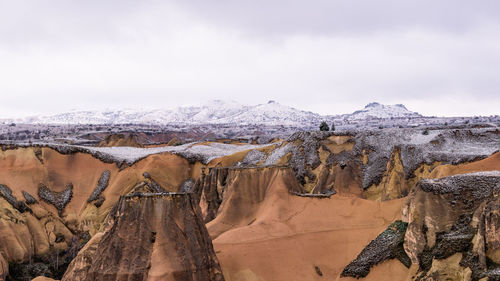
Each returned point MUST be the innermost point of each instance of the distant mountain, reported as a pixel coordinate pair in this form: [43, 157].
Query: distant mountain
[213, 112]
[377, 110]
[217, 112]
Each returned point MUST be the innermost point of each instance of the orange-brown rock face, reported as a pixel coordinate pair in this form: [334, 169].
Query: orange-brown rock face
[489, 220]
[245, 192]
[300, 209]
[262, 228]
[452, 231]
[120, 140]
[4, 268]
[209, 189]
[150, 237]
[447, 206]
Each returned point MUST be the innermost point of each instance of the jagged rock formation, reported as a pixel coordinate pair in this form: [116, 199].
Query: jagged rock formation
[307, 193]
[261, 227]
[209, 189]
[152, 184]
[35, 242]
[444, 217]
[58, 199]
[6, 193]
[150, 237]
[452, 231]
[101, 186]
[29, 198]
[388, 245]
[240, 193]
[399, 158]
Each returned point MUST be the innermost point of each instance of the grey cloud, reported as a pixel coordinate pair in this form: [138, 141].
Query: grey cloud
[327, 56]
[345, 16]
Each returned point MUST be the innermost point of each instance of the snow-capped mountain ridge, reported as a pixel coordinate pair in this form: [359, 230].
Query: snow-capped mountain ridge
[377, 110]
[217, 112]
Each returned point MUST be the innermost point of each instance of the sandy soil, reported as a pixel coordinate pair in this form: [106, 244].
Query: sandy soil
[289, 235]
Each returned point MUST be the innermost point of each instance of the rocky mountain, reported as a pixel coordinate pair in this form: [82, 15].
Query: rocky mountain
[217, 112]
[396, 204]
[377, 110]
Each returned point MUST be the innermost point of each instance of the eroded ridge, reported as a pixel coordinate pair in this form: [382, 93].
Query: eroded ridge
[452, 230]
[165, 239]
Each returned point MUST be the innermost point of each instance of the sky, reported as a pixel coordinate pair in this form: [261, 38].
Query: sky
[439, 58]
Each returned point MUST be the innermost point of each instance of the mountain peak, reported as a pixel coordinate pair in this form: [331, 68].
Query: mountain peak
[217, 112]
[373, 104]
[378, 110]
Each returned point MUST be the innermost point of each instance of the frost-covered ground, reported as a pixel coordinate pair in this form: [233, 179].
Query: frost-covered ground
[203, 152]
[418, 146]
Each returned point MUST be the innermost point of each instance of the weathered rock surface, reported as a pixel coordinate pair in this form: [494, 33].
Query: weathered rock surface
[489, 222]
[388, 245]
[58, 199]
[101, 186]
[437, 205]
[452, 231]
[252, 193]
[264, 232]
[209, 189]
[4, 268]
[150, 237]
[454, 215]
[34, 243]
[243, 193]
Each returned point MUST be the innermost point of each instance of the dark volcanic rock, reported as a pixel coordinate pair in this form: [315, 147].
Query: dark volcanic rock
[29, 198]
[445, 146]
[454, 215]
[58, 199]
[152, 184]
[6, 193]
[388, 245]
[150, 237]
[101, 186]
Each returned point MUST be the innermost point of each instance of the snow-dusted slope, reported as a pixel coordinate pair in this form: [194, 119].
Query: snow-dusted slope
[214, 112]
[377, 110]
[217, 112]
[273, 113]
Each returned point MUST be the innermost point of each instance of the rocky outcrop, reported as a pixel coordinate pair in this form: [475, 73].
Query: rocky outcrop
[152, 184]
[487, 220]
[4, 268]
[393, 183]
[238, 185]
[58, 199]
[6, 193]
[452, 233]
[150, 237]
[244, 192]
[34, 243]
[454, 215]
[411, 149]
[388, 245]
[209, 189]
[437, 206]
[101, 186]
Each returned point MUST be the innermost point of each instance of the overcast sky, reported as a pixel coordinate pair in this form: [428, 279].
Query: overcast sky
[329, 56]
